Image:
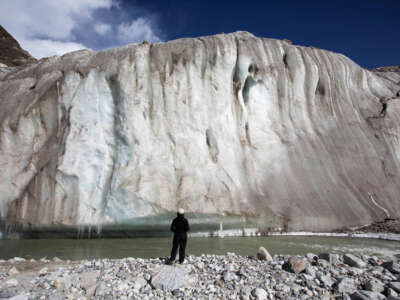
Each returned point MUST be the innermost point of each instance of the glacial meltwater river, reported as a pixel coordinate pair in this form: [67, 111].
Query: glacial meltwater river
[76, 249]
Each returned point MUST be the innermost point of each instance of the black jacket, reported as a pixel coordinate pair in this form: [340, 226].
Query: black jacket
[180, 226]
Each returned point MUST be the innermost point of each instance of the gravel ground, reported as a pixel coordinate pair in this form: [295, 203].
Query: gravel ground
[324, 276]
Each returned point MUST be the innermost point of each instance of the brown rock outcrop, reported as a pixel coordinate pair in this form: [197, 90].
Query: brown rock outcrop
[11, 53]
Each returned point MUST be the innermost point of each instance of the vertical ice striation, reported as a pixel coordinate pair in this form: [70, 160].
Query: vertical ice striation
[88, 161]
[230, 124]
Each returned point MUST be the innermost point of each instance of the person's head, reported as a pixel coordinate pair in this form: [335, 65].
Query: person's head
[180, 211]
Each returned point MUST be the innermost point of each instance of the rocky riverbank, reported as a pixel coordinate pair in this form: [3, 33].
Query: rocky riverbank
[385, 226]
[326, 276]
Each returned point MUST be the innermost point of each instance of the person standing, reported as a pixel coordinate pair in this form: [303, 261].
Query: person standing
[180, 227]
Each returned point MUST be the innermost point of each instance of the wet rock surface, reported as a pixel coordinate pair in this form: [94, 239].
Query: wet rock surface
[200, 277]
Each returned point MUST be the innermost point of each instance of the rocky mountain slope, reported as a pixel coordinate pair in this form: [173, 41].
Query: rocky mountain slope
[11, 53]
[260, 131]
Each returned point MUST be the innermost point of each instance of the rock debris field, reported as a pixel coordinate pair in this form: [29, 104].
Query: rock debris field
[323, 276]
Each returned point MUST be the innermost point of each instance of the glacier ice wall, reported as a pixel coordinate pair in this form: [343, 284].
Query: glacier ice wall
[229, 124]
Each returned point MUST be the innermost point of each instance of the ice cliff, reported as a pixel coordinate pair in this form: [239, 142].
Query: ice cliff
[279, 135]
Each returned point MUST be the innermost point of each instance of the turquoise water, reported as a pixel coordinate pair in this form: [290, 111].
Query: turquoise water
[76, 249]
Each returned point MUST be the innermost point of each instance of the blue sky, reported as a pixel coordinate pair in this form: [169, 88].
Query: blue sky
[367, 31]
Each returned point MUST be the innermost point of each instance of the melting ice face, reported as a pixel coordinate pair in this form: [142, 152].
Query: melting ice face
[223, 124]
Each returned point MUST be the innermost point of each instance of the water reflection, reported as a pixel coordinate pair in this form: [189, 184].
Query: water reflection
[159, 247]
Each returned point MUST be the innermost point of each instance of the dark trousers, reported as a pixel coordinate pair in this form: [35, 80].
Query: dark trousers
[181, 242]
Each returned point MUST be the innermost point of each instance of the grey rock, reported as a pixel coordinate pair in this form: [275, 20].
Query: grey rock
[43, 271]
[310, 270]
[333, 259]
[326, 280]
[123, 286]
[353, 261]
[229, 276]
[374, 285]
[311, 257]
[281, 287]
[345, 285]
[335, 272]
[395, 285]
[102, 289]
[259, 293]
[366, 295]
[19, 297]
[295, 287]
[263, 254]
[19, 259]
[88, 279]
[376, 270]
[169, 278]
[373, 260]
[59, 284]
[295, 264]
[139, 283]
[306, 277]
[323, 263]
[390, 292]
[389, 276]
[67, 281]
[13, 271]
[56, 259]
[12, 282]
[355, 271]
[5, 293]
[53, 276]
[392, 266]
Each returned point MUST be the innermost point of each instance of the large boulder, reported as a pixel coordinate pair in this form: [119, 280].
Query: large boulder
[354, 261]
[169, 278]
[263, 254]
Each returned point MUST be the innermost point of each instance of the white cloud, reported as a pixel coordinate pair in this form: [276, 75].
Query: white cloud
[102, 28]
[53, 19]
[45, 48]
[54, 27]
[137, 31]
